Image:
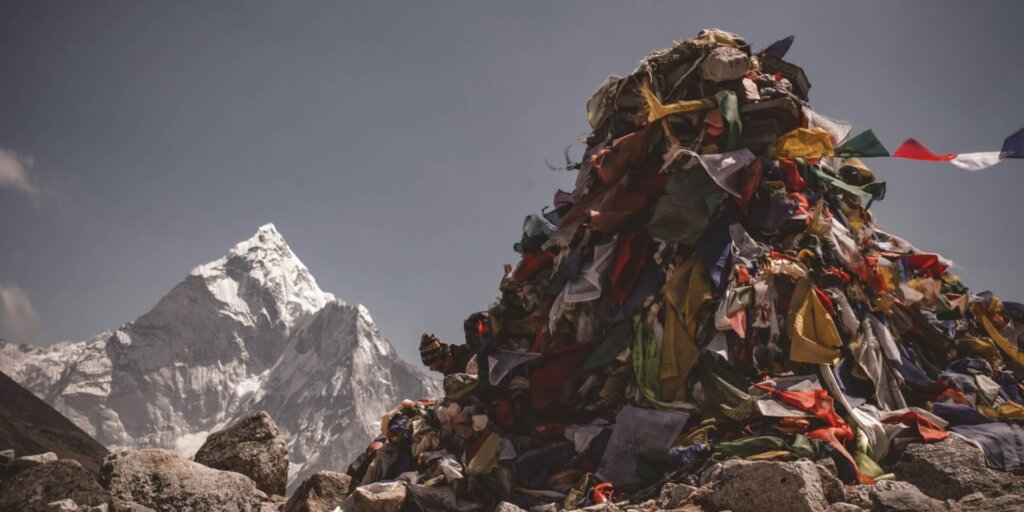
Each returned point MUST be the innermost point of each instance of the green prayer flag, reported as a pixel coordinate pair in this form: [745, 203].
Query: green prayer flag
[646, 358]
[864, 144]
[732, 128]
[872, 191]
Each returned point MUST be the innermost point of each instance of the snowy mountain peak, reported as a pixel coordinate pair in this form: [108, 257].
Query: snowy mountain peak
[260, 269]
[267, 237]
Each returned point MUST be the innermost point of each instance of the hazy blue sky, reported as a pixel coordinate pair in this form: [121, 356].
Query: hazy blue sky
[397, 146]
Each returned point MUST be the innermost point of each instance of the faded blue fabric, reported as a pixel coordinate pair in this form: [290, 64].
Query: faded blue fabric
[536, 465]
[688, 458]
[960, 414]
[1003, 443]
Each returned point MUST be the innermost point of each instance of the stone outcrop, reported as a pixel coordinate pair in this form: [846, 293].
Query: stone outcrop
[254, 447]
[35, 484]
[321, 492]
[756, 486]
[376, 497]
[161, 480]
[950, 469]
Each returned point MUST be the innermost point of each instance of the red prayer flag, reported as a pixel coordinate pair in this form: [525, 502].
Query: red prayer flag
[914, 150]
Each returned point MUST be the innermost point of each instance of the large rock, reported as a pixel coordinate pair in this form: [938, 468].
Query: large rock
[321, 492]
[161, 480]
[29, 461]
[904, 500]
[830, 482]
[377, 497]
[253, 447]
[950, 469]
[675, 495]
[978, 502]
[757, 486]
[32, 488]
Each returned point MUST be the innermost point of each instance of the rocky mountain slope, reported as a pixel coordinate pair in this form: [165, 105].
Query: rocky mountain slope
[28, 425]
[248, 331]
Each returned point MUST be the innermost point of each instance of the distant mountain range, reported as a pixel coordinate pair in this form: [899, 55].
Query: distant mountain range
[249, 331]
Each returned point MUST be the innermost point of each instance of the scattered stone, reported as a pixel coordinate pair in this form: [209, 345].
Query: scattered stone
[28, 461]
[161, 480]
[675, 495]
[860, 495]
[34, 487]
[725, 63]
[132, 507]
[275, 503]
[321, 492]
[64, 505]
[844, 507]
[978, 502]
[254, 447]
[904, 500]
[756, 486]
[950, 469]
[379, 497]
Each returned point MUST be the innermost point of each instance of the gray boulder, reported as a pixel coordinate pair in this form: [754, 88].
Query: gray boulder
[724, 63]
[905, 500]
[377, 497]
[28, 461]
[860, 495]
[830, 481]
[321, 492]
[950, 469]
[65, 505]
[675, 495]
[978, 502]
[161, 480]
[254, 447]
[33, 487]
[756, 486]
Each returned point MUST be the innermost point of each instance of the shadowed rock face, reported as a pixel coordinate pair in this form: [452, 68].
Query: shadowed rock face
[29, 425]
[161, 480]
[249, 331]
[321, 492]
[950, 469]
[33, 487]
[753, 486]
[253, 447]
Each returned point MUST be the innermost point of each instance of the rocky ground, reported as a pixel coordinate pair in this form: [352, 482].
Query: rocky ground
[242, 469]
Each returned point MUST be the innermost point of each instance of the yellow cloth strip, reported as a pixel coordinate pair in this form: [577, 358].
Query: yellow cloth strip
[685, 292]
[656, 110]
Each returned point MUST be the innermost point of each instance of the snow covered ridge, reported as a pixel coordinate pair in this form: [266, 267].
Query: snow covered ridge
[251, 330]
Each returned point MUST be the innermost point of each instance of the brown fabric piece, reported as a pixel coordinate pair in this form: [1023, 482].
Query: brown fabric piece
[624, 200]
[625, 152]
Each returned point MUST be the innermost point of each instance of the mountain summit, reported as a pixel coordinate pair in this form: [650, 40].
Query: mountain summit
[251, 330]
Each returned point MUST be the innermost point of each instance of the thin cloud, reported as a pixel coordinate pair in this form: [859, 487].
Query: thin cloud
[18, 318]
[15, 173]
